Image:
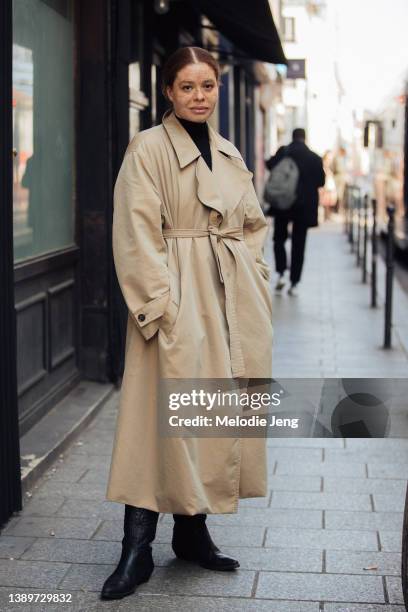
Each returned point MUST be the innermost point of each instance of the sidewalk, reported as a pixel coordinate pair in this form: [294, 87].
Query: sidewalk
[330, 330]
[334, 506]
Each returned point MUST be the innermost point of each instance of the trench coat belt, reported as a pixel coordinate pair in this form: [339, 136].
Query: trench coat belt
[216, 235]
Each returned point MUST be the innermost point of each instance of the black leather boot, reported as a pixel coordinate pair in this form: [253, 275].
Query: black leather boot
[136, 562]
[192, 542]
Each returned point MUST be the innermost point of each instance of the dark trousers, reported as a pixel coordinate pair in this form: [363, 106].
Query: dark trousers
[280, 236]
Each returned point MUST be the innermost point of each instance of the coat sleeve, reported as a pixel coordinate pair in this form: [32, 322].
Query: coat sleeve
[256, 230]
[139, 249]
[319, 174]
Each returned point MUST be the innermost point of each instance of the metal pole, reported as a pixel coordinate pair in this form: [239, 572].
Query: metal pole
[389, 277]
[365, 239]
[351, 234]
[374, 256]
[358, 256]
[346, 209]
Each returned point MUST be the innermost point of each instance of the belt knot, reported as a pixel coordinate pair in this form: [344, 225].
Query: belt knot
[213, 230]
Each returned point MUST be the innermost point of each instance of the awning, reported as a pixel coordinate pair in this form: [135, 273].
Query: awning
[248, 24]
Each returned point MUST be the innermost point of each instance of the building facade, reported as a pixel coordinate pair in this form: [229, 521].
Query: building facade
[80, 78]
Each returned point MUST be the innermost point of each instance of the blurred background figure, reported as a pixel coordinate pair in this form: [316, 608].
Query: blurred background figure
[340, 177]
[304, 211]
[328, 192]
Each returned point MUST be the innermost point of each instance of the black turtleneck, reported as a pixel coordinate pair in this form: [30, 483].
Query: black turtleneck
[198, 131]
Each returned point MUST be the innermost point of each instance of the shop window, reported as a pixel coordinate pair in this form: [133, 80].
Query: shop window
[137, 99]
[43, 126]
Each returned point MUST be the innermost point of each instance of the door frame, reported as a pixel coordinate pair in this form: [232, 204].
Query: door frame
[10, 474]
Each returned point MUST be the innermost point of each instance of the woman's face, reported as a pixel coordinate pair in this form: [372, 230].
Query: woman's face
[194, 92]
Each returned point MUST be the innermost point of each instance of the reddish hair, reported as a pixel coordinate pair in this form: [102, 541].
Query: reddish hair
[183, 57]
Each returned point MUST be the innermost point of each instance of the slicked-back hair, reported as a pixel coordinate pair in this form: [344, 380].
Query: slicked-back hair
[183, 57]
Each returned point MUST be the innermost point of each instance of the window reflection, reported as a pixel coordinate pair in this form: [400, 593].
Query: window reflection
[43, 126]
[137, 99]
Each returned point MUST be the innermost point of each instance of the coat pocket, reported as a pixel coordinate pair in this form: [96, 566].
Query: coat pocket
[262, 269]
[169, 317]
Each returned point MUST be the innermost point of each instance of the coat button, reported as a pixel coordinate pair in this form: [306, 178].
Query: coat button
[141, 317]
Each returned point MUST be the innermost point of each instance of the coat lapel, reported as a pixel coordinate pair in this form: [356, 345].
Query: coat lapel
[228, 180]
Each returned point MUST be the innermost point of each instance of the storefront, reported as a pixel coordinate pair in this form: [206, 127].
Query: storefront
[79, 78]
[45, 237]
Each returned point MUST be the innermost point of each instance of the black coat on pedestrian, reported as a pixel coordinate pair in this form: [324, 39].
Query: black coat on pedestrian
[311, 176]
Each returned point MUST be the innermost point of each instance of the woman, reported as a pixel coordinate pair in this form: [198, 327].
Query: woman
[188, 234]
[328, 193]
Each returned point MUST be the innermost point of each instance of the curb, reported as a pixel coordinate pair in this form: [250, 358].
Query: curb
[56, 431]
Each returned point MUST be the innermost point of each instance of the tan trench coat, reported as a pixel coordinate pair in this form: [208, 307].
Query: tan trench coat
[188, 252]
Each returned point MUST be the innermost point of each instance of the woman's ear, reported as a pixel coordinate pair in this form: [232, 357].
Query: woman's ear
[169, 94]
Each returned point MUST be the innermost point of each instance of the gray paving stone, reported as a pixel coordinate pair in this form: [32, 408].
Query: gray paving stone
[306, 442]
[394, 589]
[364, 485]
[27, 574]
[78, 461]
[177, 603]
[73, 551]
[328, 587]
[390, 541]
[61, 473]
[294, 454]
[95, 476]
[322, 538]
[179, 579]
[370, 444]
[56, 488]
[225, 535]
[254, 502]
[263, 517]
[89, 577]
[13, 546]
[394, 502]
[257, 558]
[93, 446]
[82, 508]
[324, 468]
[324, 501]
[294, 483]
[183, 579]
[61, 527]
[350, 607]
[40, 505]
[342, 519]
[375, 455]
[341, 562]
[103, 435]
[387, 470]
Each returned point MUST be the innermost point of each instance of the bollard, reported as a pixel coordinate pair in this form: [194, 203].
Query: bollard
[389, 277]
[365, 238]
[374, 256]
[351, 223]
[346, 201]
[358, 240]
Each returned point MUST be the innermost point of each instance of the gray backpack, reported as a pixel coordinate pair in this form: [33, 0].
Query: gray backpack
[281, 186]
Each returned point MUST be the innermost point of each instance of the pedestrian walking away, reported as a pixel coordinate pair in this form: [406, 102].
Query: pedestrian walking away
[188, 237]
[302, 213]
